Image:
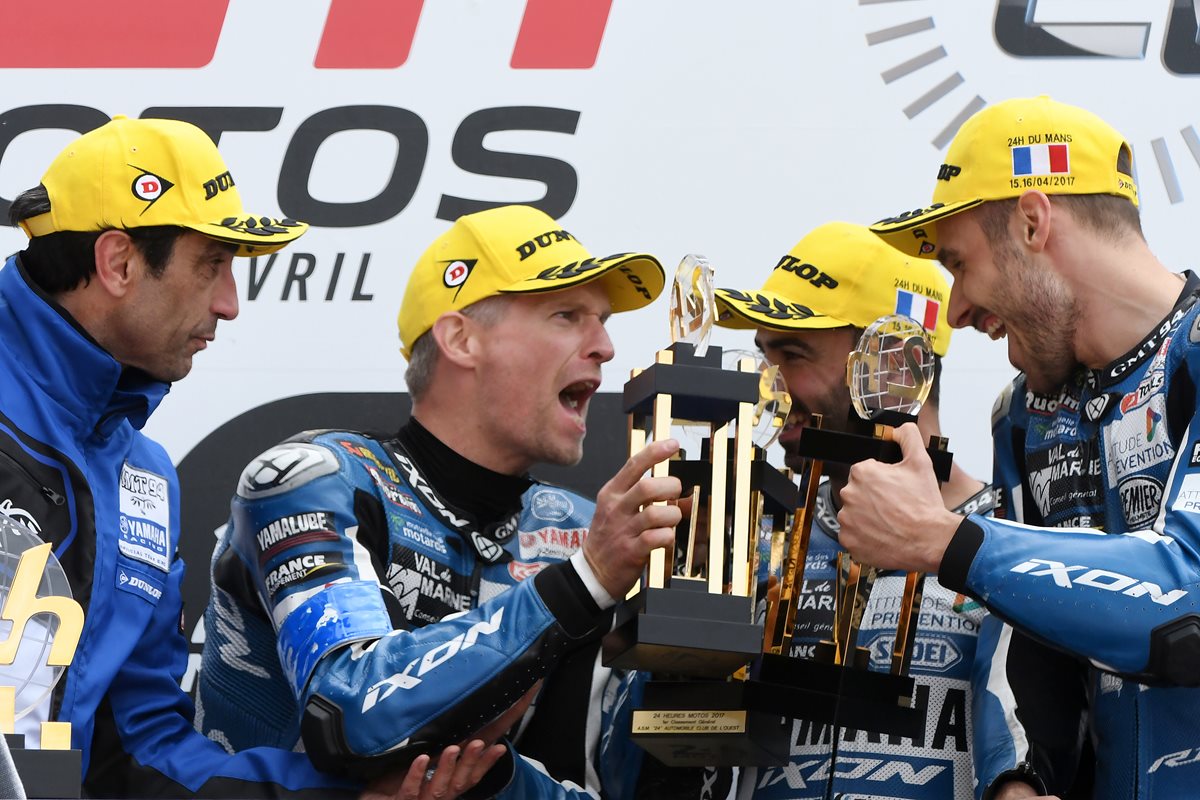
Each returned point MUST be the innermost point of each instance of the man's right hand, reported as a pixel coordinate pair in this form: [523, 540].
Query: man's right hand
[626, 526]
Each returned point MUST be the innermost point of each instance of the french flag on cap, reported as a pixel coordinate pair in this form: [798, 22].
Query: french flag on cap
[921, 308]
[1041, 159]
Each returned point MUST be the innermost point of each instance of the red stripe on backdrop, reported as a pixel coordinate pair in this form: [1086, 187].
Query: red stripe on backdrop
[368, 34]
[560, 34]
[111, 33]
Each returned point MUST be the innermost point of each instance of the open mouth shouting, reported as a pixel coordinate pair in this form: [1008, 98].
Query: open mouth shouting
[574, 398]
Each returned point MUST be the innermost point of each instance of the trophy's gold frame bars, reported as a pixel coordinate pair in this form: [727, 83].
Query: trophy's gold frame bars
[637, 441]
[660, 564]
[742, 457]
[719, 451]
[793, 571]
[906, 630]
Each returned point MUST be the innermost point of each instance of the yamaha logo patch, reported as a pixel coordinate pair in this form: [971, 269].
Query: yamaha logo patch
[1096, 407]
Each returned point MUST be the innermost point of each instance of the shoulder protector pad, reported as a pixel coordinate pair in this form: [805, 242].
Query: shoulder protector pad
[285, 467]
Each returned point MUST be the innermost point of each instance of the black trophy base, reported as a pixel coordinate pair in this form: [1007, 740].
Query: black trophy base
[825, 693]
[709, 724]
[683, 631]
[46, 773]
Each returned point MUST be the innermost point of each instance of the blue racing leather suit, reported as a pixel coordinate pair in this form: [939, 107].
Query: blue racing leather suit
[862, 765]
[1114, 458]
[355, 607]
[76, 469]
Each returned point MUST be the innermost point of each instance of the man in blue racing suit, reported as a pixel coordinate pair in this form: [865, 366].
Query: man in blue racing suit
[809, 314]
[379, 596]
[1094, 563]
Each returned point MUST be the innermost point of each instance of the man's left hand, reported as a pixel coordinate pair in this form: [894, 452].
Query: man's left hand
[892, 515]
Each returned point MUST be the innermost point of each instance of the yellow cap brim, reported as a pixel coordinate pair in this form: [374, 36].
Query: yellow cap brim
[632, 280]
[914, 233]
[254, 236]
[759, 309]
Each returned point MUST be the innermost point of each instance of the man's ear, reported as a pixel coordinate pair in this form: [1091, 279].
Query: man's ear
[1034, 215]
[457, 337]
[115, 272]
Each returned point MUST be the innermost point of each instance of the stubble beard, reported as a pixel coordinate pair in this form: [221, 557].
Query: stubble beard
[1041, 317]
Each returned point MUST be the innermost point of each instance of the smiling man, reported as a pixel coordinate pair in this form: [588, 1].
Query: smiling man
[808, 316]
[381, 596]
[1095, 559]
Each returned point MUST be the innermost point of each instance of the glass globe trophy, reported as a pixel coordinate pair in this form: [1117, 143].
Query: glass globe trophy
[40, 626]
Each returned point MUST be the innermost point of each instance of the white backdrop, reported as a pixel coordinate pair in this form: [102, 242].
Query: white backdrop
[727, 129]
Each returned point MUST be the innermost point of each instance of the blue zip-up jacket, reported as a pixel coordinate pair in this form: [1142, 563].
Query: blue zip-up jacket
[73, 462]
[1108, 612]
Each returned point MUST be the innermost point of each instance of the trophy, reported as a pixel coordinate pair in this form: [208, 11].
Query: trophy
[889, 375]
[41, 624]
[691, 620]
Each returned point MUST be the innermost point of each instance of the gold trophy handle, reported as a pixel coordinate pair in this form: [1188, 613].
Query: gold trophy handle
[906, 631]
[781, 619]
[855, 581]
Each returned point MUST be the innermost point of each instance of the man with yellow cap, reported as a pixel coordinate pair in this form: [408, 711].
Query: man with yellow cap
[383, 596]
[1093, 556]
[809, 314]
[128, 271]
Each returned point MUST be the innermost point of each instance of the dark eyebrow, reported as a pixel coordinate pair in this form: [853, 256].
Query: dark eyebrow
[776, 342]
[215, 247]
[945, 255]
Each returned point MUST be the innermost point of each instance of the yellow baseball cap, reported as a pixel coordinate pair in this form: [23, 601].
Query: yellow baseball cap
[512, 250]
[134, 173]
[838, 275]
[1011, 147]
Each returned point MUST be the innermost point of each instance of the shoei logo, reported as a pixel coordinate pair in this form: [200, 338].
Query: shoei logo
[1064, 577]
[357, 34]
[1056, 46]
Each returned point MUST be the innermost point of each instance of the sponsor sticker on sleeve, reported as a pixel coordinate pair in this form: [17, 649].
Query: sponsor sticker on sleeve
[139, 582]
[302, 568]
[1188, 498]
[144, 517]
[294, 530]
